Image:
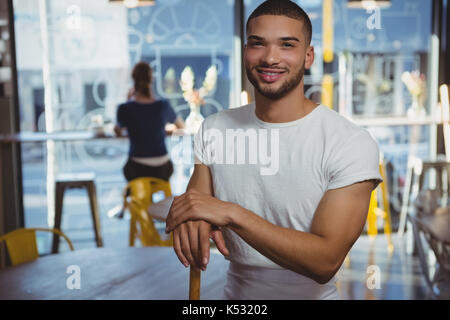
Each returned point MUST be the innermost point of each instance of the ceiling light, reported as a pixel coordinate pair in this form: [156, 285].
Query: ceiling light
[368, 4]
[134, 3]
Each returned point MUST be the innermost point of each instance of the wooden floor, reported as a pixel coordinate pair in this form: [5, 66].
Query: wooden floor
[399, 273]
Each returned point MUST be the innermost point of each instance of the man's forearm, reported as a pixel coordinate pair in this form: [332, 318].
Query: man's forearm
[305, 253]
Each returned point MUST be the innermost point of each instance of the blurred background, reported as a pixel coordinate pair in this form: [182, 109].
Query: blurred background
[65, 67]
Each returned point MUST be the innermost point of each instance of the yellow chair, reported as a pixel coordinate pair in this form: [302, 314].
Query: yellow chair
[22, 246]
[138, 196]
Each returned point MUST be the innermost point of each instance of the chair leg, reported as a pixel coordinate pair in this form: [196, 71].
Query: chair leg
[440, 185]
[59, 197]
[387, 215]
[405, 200]
[447, 178]
[372, 216]
[95, 214]
[422, 255]
[133, 230]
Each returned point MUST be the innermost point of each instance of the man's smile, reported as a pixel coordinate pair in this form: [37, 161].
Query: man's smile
[270, 74]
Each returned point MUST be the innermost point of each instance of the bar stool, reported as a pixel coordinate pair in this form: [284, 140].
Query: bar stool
[415, 178]
[76, 181]
[414, 183]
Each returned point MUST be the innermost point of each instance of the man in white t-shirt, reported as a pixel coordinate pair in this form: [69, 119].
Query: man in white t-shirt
[282, 185]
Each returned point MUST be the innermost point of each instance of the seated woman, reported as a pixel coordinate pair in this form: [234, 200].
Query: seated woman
[145, 119]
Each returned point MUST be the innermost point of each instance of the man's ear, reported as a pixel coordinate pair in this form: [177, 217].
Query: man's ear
[309, 57]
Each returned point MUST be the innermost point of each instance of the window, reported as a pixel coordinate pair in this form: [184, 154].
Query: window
[74, 62]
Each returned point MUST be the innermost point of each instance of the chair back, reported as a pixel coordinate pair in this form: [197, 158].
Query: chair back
[22, 246]
[140, 196]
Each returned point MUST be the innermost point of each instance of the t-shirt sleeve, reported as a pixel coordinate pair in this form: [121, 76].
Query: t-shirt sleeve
[357, 160]
[203, 143]
[171, 116]
[200, 154]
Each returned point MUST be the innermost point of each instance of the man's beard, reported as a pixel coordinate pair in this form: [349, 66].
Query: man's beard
[286, 87]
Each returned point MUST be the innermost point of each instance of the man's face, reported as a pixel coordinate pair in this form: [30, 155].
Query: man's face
[275, 55]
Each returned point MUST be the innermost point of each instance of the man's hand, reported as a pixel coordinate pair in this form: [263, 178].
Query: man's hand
[194, 206]
[192, 246]
[190, 236]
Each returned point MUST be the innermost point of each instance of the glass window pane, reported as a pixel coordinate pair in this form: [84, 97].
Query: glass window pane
[74, 62]
[380, 56]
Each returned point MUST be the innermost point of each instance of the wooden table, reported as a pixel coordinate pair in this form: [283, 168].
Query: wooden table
[63, 136]
[127, 273]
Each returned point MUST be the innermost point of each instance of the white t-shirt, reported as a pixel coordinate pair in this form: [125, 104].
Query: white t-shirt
[280, 171]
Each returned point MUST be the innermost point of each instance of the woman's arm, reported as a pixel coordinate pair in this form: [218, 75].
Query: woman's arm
[179, 123]
[172, 127]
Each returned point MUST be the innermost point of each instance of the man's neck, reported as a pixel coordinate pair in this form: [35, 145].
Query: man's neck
[289, 108]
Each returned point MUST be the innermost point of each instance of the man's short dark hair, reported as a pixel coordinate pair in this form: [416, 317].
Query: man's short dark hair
[285, 8]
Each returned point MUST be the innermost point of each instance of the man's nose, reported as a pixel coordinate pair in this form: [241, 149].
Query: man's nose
[271, 56]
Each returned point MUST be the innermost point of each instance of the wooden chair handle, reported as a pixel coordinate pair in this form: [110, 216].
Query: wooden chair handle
[194, 284]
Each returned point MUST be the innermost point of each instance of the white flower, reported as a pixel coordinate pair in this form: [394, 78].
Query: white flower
[170, 74]
[187, 79]
[195, 96]
[210, 79]
[414, 82]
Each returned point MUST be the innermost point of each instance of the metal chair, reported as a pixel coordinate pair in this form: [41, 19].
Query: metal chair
[431, 230]
[22, 246]
[415, 180]
[138, 196]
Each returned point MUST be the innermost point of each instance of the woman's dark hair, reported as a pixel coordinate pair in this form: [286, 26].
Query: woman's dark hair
[285, 8]
[142, 77]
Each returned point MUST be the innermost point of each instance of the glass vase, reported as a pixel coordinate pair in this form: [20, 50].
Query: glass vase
[194, 119]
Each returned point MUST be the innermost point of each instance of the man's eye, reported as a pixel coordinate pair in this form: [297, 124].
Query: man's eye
[257, 43]
[287, 44]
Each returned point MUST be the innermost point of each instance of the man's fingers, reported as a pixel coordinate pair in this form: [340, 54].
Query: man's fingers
[204, 245]
[177, 200]
[180, 205]
[185, 244]
[193, 242]
[217, 236]
[177, 247]
[174, 218]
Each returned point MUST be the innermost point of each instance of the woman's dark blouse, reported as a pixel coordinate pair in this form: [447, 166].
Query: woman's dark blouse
[145, 123]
